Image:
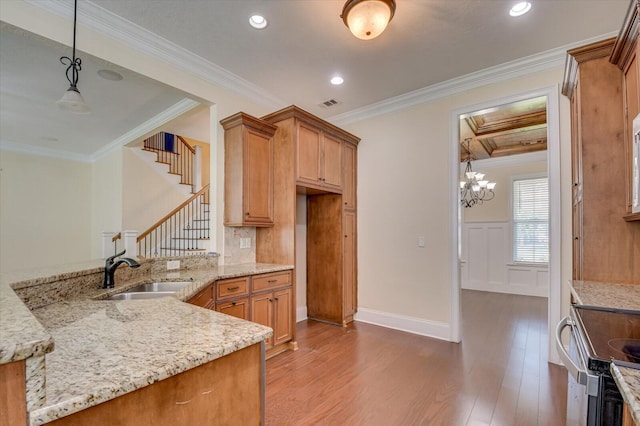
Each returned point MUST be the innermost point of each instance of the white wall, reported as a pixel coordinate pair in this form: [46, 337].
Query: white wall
[106, 199]
[403, 192]
[45, 211]
[301, 257]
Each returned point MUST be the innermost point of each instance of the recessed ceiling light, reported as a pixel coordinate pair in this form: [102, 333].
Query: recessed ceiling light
[110, 75]
[520, 8]
[258, 22]
[337, 80]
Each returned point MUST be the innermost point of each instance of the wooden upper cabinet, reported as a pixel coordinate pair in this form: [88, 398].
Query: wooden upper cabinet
[625, 56]
[319, 158]
[350, 173]
[248, 171]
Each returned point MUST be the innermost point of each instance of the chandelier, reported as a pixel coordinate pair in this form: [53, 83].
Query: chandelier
[474, 189]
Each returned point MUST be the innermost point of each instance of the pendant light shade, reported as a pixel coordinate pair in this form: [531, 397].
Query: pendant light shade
[72, 100]
[367, 19]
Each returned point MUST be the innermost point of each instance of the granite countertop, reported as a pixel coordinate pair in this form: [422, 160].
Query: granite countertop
[106, 348]
[628, 381]
[606, 295]
[616, 296]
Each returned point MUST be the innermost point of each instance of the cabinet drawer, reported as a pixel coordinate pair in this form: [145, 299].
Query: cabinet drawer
[233, 287]
[204, 298]
[265, 281]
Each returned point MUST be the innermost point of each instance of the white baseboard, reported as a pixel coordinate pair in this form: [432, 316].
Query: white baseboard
[301, 313]
[505, 288]
[437, 330]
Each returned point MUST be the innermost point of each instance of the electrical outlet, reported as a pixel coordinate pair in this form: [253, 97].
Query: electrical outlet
[173, 264]
[245, 243]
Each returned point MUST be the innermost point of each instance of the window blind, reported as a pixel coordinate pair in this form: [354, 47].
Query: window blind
[531, 220]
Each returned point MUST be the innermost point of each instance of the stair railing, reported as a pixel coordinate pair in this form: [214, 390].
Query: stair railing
[181, 231]
[175, 151]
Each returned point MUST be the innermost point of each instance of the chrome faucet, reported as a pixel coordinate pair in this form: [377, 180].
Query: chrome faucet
[111, 265]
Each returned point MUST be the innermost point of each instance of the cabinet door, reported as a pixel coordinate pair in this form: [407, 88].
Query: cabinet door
[282, 311]
[262, 312]
[350, 171]
[258, 178]
[308, 154]
[349, 264]
[237, 308]
[331, 162]
[203, 299]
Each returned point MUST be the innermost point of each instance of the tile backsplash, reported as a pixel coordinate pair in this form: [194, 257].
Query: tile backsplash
[236, 240]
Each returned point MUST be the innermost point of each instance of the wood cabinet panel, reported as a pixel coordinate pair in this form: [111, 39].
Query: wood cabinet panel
[232, 287]
[248, 171]
[13, 391]
[308, 157]
[350, 176]
[282, 316]
[226, 391]
[204, 299]
[350, 269]
[262, 311]
[331, 162]
[238, 308]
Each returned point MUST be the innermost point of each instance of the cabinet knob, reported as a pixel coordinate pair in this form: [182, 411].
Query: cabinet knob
[576, 238]
[246, 214]
[270, 300]
[234, 303]
[276, 299]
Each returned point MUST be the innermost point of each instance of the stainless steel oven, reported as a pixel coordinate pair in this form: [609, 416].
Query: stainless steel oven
[597, 337]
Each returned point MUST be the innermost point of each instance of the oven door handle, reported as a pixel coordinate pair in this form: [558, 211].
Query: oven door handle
[582, 376]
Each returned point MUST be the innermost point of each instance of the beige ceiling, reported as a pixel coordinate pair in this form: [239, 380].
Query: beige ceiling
[428, 42]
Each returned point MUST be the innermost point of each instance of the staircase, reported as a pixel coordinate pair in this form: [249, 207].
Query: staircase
[184, 230]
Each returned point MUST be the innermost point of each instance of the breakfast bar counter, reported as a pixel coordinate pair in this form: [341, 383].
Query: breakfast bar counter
[98, 349]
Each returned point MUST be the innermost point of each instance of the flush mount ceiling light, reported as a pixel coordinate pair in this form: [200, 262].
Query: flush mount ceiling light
[520, 8]
[72, 99]
[367, 19]
[337, 80]
[258, 22]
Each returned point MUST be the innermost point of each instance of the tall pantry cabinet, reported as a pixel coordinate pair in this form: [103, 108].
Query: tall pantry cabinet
[317, 159]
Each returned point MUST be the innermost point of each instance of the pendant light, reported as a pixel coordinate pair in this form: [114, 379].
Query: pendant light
[367, 19]
[72, 99]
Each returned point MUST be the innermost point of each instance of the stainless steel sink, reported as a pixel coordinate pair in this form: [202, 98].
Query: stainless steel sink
[171, 286]
[151, 290]
[141, 295]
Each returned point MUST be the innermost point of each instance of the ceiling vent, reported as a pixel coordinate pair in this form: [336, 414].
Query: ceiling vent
[329, 103]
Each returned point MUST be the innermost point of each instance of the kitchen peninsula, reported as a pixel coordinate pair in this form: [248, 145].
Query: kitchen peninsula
[84, 357]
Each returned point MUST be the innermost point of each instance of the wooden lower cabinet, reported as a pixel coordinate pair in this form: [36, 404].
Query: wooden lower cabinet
[238, 308]
[13, 402]
[204, 299]
[225, 391]
[274, 309]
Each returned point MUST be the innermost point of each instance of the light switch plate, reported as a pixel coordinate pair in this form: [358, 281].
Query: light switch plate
[421, 241]
[173, 264]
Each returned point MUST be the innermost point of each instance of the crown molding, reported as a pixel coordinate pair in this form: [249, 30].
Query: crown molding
[174, 111]
[43, 152]
[507, 71]
[126, 32]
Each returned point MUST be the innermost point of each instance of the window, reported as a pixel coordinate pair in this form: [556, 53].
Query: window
[530, 208]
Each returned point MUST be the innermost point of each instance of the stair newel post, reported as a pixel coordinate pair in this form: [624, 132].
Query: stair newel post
[107, 244]
[197, 169]
[130, 243]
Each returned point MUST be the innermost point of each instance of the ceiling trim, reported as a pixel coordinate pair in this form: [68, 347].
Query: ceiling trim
[510, 160]
[44, 152]
[503, 72]
[174, 111]
[117, 28]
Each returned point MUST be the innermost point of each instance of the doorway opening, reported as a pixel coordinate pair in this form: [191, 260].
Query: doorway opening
[512, 138]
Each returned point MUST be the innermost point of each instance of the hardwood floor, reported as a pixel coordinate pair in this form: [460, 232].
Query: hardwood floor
[369, 375]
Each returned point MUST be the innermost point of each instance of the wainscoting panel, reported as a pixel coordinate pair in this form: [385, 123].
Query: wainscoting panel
[486, 262]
